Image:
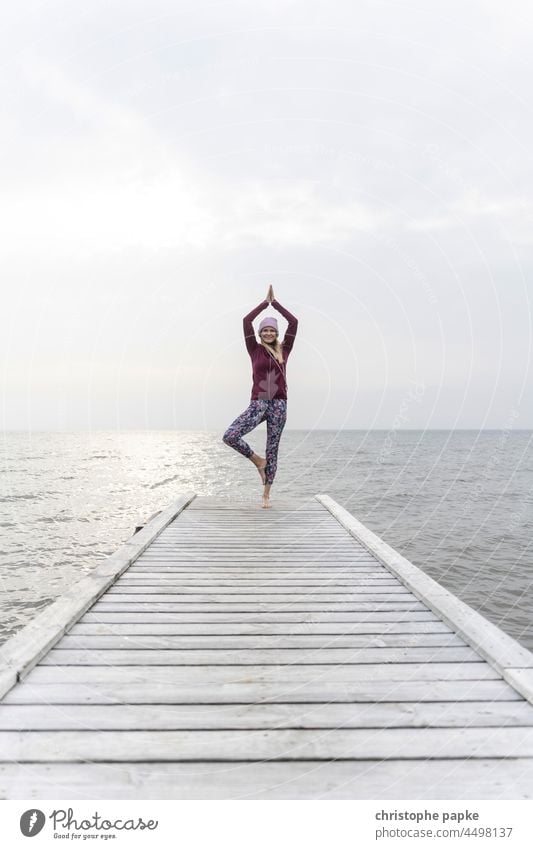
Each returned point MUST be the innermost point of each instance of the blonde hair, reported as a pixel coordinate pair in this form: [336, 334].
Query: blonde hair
[275, 348]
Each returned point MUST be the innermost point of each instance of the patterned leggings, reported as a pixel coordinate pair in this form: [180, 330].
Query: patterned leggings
[274, 410]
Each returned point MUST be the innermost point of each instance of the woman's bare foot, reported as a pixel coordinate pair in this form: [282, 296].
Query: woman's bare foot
[260, 464]
[266, 496]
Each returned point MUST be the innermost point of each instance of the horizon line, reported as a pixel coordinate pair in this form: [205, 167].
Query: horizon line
[287, 429]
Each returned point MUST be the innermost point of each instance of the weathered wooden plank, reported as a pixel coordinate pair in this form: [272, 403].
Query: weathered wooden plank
[279, 531]
[274, 551]
[247, 512]
[210, 570]
[236, 716]
[251, 559]
[245, 562]
[244, 582]
[331, 563]
[277, 744]
[242, 642]
[148, 676]
[267, 523]
[264, 550]
[416, 629]
[279, 565]
[292, 544]
[279, 545]
[164, 591]
[256, 553]
[292, 508]
[244, 529]
[277, 542]
[253, 657]
[219, 606]
[276, 537]
[239, 503]
[392, 779]
[342, 545]
[329, 526]
[245, 525]
[249, 536]
[195, 597]
[275, 534]
[177, 585]
[241, 519]
[199, 579]
[215, 584]
[258, 617]
[321, 522]
[331, 557]
[193, 690]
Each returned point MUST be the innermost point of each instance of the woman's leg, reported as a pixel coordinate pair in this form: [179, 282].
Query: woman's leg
[252, 416]
[276, 418]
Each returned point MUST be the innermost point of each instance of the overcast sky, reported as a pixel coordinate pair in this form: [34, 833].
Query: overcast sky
[163, 162]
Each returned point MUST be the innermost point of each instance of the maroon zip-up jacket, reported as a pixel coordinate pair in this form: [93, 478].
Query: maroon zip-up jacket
[269, 376]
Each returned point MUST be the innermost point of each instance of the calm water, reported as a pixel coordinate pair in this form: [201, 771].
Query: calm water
[458, 504]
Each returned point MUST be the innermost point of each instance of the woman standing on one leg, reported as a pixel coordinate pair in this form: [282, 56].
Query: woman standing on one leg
[269, 390]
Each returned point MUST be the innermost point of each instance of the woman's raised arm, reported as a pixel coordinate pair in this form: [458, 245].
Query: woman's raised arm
[249, 333]
[290, 334]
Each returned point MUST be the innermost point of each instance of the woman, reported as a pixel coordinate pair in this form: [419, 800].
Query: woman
[269, 390]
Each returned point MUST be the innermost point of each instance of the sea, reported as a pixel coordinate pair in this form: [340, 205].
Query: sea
[458, 504]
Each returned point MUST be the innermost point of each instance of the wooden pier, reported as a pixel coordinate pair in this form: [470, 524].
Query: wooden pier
[230, 652]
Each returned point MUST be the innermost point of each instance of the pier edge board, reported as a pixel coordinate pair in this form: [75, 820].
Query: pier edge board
[23, 650]
[513, 661]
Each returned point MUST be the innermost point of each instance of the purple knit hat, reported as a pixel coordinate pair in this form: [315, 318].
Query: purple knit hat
[268, 322]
